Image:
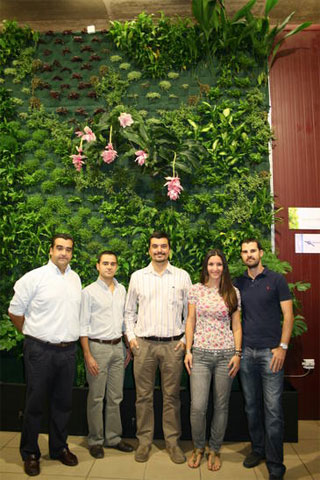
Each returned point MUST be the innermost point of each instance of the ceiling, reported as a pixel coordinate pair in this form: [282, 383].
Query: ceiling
[75, 14]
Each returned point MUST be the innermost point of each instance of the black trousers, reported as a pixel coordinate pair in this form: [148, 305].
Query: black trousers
[49, 376]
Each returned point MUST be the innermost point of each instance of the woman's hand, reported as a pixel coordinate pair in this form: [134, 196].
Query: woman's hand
[188, 362]
[234, 366]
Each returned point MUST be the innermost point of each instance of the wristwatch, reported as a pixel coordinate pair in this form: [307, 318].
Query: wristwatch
[284, 346]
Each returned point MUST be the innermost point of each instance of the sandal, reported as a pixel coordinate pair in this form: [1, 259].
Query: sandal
[195, 459]
[214, 462]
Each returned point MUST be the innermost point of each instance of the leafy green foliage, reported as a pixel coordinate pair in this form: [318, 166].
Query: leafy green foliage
[157, 46]
[13, 39]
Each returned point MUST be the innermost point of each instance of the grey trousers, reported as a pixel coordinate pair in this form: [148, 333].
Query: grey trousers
[205, 366]
[107, 384]
[147, 359]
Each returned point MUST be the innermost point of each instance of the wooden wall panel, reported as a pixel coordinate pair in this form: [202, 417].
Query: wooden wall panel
[295, 101]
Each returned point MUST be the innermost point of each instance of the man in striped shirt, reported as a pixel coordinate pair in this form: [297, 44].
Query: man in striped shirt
[155, 308]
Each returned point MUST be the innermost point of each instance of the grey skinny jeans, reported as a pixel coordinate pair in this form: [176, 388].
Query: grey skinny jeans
[205, 366]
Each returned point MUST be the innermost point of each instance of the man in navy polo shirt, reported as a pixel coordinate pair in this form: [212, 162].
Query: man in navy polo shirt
[265, 298]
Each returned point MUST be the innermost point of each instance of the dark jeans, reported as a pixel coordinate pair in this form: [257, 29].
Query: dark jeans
[262, 391]
[49, 375]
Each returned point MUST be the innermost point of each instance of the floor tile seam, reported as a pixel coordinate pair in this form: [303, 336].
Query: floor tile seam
[302, 462]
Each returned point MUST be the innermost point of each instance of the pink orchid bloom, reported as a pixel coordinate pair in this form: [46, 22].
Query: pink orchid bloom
[125, 120]
[109, 155]
[77, 161]
[79, 133]
[141, 157]
[89, 136]
[174, 187]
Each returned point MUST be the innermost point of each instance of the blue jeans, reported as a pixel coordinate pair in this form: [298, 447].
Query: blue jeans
[205, 366]
[262, 391]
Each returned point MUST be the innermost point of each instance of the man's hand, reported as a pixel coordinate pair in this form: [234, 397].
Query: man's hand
[128, 357]
[277, 361]
[234, 366]
[180, 345]
[134, 344]
[92, 366]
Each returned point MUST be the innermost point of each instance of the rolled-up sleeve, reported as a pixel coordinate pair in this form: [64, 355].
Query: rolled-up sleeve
[24, 290]
[130, 314]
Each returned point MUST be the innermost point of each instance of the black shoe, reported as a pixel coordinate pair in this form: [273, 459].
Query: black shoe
[67, 458]
[122, 446]
[274, 477]
[31, 466]
[252, 460]
[96, 451]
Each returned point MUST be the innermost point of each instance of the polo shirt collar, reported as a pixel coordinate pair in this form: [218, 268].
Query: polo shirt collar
[262, 274]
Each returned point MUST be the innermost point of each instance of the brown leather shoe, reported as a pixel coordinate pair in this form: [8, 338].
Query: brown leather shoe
[31, 466]
[67, 458]
[96, 451]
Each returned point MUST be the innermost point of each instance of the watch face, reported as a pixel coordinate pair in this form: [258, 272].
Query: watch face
[284, 346]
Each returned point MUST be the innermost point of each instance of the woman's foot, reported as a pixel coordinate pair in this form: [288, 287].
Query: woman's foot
[214, 461]
[196, 456]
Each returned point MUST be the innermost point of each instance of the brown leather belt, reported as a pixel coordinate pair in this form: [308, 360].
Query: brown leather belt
[61, 344]
[107, 342]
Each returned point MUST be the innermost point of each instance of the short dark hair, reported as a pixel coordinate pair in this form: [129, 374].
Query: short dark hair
[107, 252]
[65, 236]
[159, 235]
[252, 240]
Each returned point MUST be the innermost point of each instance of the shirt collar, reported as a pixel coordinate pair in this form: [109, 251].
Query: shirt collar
[262, 274]
[57, 269]
[104, 285]
[150, 269]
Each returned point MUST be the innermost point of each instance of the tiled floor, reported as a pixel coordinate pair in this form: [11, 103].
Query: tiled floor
[302, 460]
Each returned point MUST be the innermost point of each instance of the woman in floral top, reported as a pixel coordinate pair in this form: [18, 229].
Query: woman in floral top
[216, 352]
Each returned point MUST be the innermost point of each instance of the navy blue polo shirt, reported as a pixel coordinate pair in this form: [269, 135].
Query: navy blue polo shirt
[261, 311]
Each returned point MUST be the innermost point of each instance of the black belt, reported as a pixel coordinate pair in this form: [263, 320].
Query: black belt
[60, 344]
[108, 342]
[164, 339]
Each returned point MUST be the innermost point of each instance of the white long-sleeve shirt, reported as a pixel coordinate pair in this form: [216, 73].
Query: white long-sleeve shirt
[50, 302]
[102, 311]
[157, 304]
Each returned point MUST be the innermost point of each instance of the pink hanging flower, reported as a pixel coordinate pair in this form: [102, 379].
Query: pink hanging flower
[141, 157]
[109, 155]
[125, 120]
[174, 187]
[77, 160]
[87, 135]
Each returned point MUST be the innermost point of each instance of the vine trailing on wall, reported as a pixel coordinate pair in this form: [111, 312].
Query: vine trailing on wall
[92, 134]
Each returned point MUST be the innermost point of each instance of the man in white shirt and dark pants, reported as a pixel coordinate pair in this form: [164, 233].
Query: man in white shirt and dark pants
[156, 336]
[46, 308]
[101, 331]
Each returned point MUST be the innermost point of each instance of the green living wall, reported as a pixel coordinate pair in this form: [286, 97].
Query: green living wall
[195, 95]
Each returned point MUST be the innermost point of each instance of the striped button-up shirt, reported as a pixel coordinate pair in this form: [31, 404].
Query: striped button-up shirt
[157, 304]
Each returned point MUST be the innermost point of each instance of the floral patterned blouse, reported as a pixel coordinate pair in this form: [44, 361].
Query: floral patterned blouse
[212, 329]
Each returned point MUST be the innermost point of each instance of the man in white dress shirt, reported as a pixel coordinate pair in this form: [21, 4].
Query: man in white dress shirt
[101, 331]
[46, 308]
[156, 336]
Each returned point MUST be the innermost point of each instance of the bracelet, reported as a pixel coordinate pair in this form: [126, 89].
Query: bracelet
[238, 354]
[188, 351]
